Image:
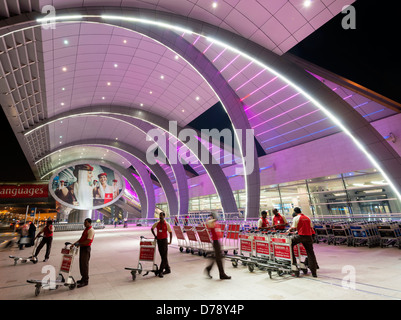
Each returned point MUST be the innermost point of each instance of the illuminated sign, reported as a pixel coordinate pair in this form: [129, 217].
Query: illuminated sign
[87, 186]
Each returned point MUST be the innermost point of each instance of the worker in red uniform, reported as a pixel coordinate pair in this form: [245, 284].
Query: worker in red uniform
[263, 223]
[84, 244]
[163, 228]
[47, 239]
[303, 225]
[279, 221]
[217, 234]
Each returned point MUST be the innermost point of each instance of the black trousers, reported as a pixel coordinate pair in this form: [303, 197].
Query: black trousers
[45, 240]
[217, 258]
[307, 242]
[162, 245]
[84, 257]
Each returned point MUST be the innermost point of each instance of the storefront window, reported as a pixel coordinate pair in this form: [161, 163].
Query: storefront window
[363, 192]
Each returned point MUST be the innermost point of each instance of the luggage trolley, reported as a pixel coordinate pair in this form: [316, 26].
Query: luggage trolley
[282, 255]
[193, 241]
[302, 256]
[231, 241]
[365, 234]
[147, 254]
[263, 254]
[342, 234]
[68, 255]
[245, 251]
[390, 234]
[324, 233]
[30, 258]
[205, 241]
[182, 242]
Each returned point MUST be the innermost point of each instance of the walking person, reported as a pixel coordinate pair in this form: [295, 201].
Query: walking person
[46, 240]
[163, 229]
[303, 225]
[218, 257]
[84, 244]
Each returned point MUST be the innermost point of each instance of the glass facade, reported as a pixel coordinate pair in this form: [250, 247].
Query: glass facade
[361, 192]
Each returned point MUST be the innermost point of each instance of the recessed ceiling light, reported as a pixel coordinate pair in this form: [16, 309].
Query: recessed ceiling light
[61, 137]
[307, 3]
[62, 103]
[103, 98]
[150, 92]
[66, 42]
[182, 110]
[109, 83]
[125, 41]
[141, 104]
[63, 89]
[214, 5]
[176, 57]
[61, 142]
[162, 77]
[116, 138]
[115, 65]
[64, 69]
[197, 98]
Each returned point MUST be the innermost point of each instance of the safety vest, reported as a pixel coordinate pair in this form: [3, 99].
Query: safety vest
[85, 237]
[265, 223]
[278, 220]
[216, 232]
[304, 226]
[48, 231]
[162, 230]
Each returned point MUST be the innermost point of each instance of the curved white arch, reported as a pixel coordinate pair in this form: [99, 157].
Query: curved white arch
[285, 78]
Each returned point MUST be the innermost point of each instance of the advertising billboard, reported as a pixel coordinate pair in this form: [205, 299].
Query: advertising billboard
[86, 186]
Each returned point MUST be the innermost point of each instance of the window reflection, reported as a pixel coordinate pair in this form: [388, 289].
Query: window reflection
[353, 193]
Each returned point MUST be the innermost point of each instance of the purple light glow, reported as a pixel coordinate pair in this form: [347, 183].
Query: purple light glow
[230, 63]
[277, 104]
[283, 124]
[207, 48]
[288, 132]
[218, 56]
[249, 80]
[234, 76]
[196, 40]
[302, 104]
[258, 88]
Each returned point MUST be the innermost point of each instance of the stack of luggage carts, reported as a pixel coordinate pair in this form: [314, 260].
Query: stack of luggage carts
[371, 233]
[269, 251]
[194, 237]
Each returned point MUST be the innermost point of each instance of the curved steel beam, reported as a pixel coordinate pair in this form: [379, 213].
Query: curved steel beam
[133, 155]
[377, 150]
[214, 171]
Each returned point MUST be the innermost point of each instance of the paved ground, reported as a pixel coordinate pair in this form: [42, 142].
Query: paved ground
[375, 273]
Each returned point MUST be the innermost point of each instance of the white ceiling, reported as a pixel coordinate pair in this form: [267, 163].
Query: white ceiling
[107, 65]
[277, 25]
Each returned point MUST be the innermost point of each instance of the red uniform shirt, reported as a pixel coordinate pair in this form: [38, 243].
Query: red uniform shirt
[48, 231]
[304, 226]
[85, 237]
[162, 230]
[278, 220]
[215, 231]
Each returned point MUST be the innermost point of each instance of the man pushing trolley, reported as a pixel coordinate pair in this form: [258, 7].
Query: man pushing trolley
[303, 225]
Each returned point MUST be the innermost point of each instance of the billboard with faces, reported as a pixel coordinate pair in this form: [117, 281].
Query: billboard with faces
[86, 186]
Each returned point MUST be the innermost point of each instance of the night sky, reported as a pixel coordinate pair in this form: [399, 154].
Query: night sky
[367, 55]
